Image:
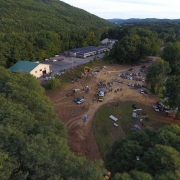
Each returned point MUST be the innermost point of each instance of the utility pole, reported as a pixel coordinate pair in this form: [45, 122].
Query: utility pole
[72, 61]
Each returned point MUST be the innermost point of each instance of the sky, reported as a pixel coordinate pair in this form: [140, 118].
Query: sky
[125, 9]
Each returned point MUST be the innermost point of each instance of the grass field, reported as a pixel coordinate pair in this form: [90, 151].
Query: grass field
[106, 133]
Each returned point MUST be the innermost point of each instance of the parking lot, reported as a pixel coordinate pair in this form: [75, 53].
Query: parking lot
[67, 62]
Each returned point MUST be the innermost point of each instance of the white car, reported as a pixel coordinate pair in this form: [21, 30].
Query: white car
[54, 60]
[94, 72]
[156, 108]
[80, 101]
[141, 91]
[76, 90]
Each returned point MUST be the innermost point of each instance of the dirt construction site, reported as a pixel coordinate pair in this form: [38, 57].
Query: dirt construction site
[80, 132]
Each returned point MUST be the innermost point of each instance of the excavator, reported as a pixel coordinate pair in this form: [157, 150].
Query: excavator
[87, 69]
[107, 176]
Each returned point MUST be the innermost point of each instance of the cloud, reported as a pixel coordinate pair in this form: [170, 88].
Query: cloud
[129, 8]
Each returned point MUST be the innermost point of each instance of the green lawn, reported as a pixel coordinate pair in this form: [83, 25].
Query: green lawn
[106, 133]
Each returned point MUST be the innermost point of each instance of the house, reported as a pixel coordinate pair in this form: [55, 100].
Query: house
[105, 41]
[35, 68]
[108, 41]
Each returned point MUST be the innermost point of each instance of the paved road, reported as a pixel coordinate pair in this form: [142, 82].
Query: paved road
[67, 63]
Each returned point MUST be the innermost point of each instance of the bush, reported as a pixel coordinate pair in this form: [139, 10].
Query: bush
[54, 83]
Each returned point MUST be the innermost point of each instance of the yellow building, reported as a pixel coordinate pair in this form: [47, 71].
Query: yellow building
[36, 69]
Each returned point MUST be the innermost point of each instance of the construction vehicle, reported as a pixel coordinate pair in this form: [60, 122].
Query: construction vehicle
[107, 176]
[87, 69]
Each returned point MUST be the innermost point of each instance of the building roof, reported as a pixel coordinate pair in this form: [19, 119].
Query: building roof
[23, 66]
[87, 49]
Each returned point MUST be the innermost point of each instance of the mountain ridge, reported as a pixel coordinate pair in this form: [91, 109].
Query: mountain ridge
[139, 20]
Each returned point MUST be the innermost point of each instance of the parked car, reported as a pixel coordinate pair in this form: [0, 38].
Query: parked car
[80, 101]
[77, 99]
[76, 90]
[166, 108]
[144, 86]
[131, 69]
[159, 103]
[139, 86]
[146, 91]
[156, 108]
[141, 91]
[54, 60]
[135, 85]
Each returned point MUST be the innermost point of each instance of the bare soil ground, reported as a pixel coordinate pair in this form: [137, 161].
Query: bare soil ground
[81, 139]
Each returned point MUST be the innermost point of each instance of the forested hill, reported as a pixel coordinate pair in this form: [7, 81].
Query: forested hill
[38, 29]
[34, 15]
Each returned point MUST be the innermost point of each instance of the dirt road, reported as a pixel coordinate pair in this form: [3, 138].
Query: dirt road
[81, 139]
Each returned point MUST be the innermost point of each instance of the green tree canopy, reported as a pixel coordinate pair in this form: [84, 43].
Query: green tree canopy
[172, 91]
[33, 143]
[134, 45]
[171, 54]
[157, 151]
[156, 74]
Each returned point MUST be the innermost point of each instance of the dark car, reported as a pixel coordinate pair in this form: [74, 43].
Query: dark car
[139, 86]
[160, 104]
[144, 86]
[77, 99]
[97, 70]
[146, 91]
[131, 69]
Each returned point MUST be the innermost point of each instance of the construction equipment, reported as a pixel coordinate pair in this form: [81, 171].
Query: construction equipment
[107, 176]
[87, 69]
